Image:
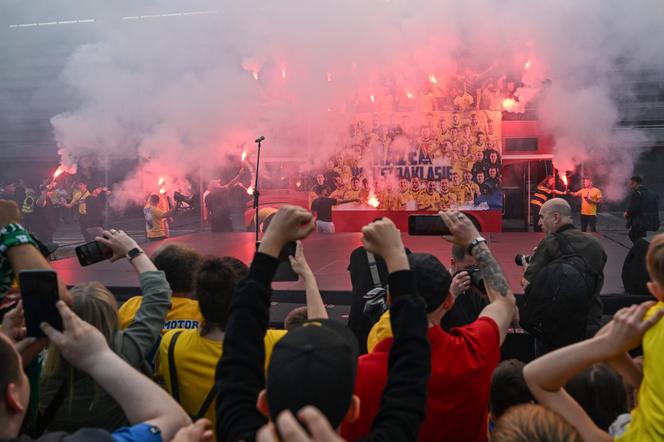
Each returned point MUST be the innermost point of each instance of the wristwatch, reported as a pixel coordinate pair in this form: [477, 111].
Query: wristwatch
[133, 253]
[474, 244]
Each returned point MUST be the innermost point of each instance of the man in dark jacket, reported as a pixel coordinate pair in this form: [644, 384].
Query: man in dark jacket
[555, 219]
[316, 363]
[643, 211]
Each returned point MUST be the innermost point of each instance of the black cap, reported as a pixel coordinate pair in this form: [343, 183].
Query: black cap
[432, 279]
[315, 364]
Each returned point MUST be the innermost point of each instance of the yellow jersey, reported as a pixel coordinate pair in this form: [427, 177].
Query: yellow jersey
[184, 313]
[390, 200]
[79, 198]
[196, 360]
[157, 227]
[464, 163]
[447, 200]
[648, 417]
[459, 193]
[588, 208]
[428, 201]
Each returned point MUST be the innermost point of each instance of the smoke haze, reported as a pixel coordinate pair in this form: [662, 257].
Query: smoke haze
[186, 94]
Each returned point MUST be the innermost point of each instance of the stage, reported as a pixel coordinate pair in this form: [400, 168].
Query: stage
[328, 256]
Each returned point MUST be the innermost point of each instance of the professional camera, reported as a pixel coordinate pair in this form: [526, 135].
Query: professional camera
[376, 303]
[519, 259]
[475, 274]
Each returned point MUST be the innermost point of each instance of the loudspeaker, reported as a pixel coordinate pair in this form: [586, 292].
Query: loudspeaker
[634, 272]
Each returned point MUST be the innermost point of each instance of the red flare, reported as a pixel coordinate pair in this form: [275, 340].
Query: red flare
[59, 171]
[433, 79]
[373, 201]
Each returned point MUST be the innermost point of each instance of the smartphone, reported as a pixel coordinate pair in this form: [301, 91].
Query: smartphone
[93, 252]
[428, 225]
[39, 291]
[285, 271]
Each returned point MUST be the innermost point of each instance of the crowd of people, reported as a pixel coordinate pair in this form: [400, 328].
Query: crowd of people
[54, 202]
[193, 358]
[441, 161]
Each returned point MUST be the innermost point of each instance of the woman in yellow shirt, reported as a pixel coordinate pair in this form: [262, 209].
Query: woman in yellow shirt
[188, 358]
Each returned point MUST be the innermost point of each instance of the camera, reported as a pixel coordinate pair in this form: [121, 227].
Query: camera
[376, 303]
[475, 274]
[520, 258]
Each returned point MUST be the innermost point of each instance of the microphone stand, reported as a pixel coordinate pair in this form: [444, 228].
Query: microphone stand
[256, 193]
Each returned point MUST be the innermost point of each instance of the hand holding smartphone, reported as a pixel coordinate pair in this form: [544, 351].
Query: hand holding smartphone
[39, 292]
[93, 252]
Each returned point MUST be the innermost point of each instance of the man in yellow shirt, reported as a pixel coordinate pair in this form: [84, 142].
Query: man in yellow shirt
[156, 220]
[471, 188]
[447, 199]
[78, 199]
[458, 189]
[354, 192]
[429, 199]
[590, 198]
[179, 264]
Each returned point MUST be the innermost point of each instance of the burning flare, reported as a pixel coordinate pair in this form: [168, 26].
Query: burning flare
[372, 98]
[527, 65]
[162, 191]
[373, 201]
[410, 95]
[59, 171]
[563, 177]
[244, 155]
[509, 104]
[255, 75]
[283, 73]
[161, 181]
[250, 190]
[433, 79]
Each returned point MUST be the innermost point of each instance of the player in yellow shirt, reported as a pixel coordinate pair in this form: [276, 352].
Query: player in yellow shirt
[430, 199]
[590, 198]
[354, 192]
[471, 188]
[464, 159]
[179, 263]
[156, 219]
[415, 192]
[457, 188]
[406, 199]
[447, 200]
[389, 199]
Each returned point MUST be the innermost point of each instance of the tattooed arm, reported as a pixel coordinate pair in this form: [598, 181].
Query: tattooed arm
[503, 304]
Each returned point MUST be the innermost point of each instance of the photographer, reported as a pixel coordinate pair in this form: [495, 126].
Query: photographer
[562, 281]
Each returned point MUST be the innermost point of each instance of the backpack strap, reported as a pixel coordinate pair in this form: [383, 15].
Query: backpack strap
[44, 419]
[211, 396]
[373, 268]
[175, 389]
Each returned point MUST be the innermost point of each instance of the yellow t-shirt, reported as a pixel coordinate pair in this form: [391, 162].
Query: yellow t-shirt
[380, 330]
[158, 229]
[184, 313]
[196, 360]
[390, 200]
[588, 208]
[447, 200]
[459, 193]
[428, 201]
[464, 163]
[648, 418]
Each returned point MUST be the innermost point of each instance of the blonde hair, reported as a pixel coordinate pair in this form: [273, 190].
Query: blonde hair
[655, 259]
[533, 423]
[96, 305]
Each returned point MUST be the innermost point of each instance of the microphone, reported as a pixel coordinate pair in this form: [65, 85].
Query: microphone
[259, 139]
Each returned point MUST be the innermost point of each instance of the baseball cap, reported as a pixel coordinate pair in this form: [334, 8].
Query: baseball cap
[314, 364]
[432, 279]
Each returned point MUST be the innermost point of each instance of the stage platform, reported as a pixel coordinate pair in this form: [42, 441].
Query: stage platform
[328, 256]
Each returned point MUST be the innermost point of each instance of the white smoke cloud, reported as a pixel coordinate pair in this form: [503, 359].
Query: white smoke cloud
[181, 94]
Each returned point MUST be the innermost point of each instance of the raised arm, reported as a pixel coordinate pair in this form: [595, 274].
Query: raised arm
[142, 400]
[502, 301]
[139, 337]
[315, 306]
[240, 374]
[547, 375]
[19, 248]
[403, 403]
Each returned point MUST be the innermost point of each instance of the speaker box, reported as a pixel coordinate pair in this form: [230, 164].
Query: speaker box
[634, 272]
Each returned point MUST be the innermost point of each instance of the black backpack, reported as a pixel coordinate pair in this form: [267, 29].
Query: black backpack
[559, 298]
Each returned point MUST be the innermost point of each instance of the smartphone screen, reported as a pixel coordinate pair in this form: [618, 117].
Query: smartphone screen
[39, 291]
[429, 225]
[93, 252]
